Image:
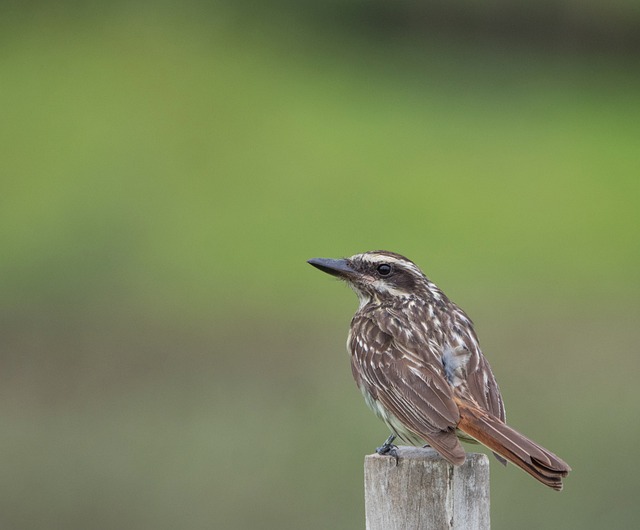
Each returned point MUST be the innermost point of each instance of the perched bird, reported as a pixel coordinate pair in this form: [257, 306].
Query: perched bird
[416, 359]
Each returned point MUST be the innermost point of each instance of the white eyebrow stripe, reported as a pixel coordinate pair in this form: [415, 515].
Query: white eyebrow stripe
[383, 258]
[379, 258]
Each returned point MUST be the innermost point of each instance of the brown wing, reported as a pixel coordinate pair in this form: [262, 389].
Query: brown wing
[484, 389]
[406, 377]
[480, 381]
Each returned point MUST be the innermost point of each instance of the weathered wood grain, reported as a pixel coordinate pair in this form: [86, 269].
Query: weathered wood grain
[424, 491]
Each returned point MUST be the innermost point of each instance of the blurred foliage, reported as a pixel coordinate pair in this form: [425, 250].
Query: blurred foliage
[169, 360]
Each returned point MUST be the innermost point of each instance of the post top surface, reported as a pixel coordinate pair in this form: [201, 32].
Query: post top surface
[425, 453]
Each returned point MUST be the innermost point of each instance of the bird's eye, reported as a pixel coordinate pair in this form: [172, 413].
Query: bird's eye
[384, 269]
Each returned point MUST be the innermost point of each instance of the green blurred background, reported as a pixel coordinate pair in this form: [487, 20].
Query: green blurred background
[169, 360]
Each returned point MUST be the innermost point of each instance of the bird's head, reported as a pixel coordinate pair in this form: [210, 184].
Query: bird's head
[378, 275]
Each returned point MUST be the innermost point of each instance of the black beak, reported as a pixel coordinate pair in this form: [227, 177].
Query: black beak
[335, 267]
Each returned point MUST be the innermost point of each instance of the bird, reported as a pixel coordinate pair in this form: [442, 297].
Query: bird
[416, 358]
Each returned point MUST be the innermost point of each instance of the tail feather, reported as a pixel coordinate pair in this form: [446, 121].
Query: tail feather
[541, 464]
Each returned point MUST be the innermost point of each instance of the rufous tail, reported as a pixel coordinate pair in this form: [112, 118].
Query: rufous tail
[541, 464]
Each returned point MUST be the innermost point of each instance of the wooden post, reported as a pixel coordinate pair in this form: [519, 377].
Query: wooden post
[425, 492]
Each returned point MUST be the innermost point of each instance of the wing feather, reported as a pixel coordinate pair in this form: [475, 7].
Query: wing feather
[406, 377]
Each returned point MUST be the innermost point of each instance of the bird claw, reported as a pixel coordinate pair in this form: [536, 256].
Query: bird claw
[388, 448]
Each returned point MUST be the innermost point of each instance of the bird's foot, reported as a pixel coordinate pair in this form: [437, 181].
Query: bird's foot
[388, 448]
